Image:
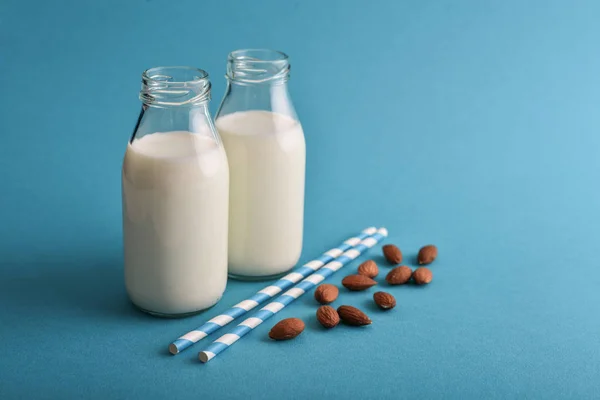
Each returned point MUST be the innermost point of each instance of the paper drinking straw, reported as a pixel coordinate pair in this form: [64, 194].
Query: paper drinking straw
[222, 343]
[265, 294]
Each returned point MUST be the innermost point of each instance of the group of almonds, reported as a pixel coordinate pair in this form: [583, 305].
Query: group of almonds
[327, 293]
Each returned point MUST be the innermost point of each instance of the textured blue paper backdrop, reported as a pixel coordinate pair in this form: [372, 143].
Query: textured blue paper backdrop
[469, 124]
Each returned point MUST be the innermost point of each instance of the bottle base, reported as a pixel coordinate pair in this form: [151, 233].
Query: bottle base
[257, 278]
[173, 316]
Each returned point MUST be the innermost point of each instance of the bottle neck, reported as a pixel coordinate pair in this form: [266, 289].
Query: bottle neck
[175, 99]
[257, 80]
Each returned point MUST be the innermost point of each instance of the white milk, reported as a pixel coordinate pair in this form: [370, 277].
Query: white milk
[266, 153]
[175, 206]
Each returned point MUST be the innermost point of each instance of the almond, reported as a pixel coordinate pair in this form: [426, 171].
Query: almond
[328, 317]
[427, 254]
[353, 316]
[368, 268]
[399, 275]
[392, 254]
[358, 282]
[286, 329]
[384, 300]
[326, 293]
[422, 276]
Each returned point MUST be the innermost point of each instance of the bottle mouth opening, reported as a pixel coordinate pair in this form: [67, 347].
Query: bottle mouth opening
[174, 75]
[258, 55]
[174, 86]
[258, 66]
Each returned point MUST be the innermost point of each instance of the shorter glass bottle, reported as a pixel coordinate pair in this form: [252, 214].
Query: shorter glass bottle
[175, 186]
[265, 147]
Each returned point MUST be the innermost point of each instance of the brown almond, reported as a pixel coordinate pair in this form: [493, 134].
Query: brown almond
[358, 282]
[384, 300]
[392, 254]
[399, 275]
[427, 254]
[368, 268]
[422, 276]
[353, 316]
[326, 293]
[286, 329]
[328, 317]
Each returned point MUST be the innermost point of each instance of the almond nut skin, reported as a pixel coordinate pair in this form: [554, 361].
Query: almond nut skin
[427, 254]
[358, 282]
[326, 293]
[384, 300]
[286, 329]
[368, 268]
[399, 275]
[328, 316]
[392, 254]
[422, 276]
[353, 316]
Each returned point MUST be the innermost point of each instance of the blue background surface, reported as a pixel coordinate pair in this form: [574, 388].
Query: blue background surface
[469, 124]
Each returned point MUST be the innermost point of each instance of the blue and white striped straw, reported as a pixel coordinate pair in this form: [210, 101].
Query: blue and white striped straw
[265, 294]
[222, 343]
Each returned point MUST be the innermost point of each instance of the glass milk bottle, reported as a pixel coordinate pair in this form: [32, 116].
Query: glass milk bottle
[266, 151]
[175, 186]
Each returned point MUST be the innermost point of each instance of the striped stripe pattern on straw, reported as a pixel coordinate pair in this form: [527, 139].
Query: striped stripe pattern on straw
[222, 343]
[265, 294]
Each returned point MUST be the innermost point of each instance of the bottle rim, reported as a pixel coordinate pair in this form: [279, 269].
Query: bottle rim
[175, 86]
[165, 75]
[258, 55]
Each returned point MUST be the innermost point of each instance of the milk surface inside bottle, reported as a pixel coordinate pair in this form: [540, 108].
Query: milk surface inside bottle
[175, 184]
[266, 152]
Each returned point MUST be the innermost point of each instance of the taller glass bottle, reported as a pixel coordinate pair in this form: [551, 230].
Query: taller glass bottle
[266, 151]
[175, 184]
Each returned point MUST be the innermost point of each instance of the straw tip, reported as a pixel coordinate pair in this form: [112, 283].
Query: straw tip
[173, 349]
[383, 231]
[203, 356]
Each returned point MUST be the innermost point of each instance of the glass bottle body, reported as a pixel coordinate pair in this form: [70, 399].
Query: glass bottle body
[175, 187]
[266, 151]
